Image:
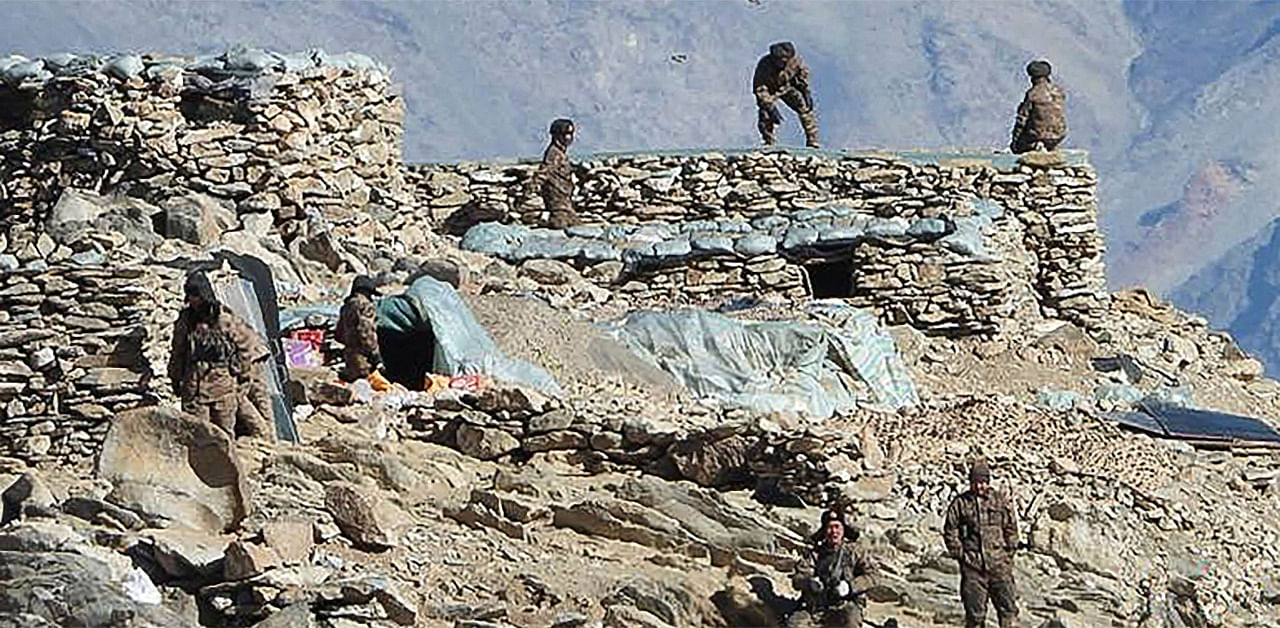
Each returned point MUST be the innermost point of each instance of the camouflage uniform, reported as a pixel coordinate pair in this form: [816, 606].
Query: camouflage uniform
[1042, 118]
[358, 333]
[555, 180]
[216, 371]
[830, 565]
[787, 80]
[982, 534]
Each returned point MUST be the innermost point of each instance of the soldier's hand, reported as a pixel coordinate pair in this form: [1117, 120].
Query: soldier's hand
[842, 589]
[765, 101]
[811, 585]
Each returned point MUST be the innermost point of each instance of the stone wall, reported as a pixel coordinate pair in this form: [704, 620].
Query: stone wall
[265, 132]
[77, 346]
[949, 243]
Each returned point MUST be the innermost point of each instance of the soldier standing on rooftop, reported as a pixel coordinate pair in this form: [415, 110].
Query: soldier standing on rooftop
[555, 176]
[981, 533]
[1042, 116]
[782, 74]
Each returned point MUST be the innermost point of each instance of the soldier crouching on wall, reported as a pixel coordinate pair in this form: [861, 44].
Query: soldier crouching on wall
[215, 364]
[833, 578]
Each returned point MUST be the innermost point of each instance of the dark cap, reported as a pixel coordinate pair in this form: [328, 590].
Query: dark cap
[1039, 68]
[364, 284]
[782, 49]
[979, 471]
[561, 126]
[198, 285]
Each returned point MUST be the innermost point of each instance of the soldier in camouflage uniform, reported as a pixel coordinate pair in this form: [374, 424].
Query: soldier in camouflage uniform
[215, 363]
[981, 533]
[1042, 116]
[833, 578]
[358, 330]
[554, 177]
[783, 75]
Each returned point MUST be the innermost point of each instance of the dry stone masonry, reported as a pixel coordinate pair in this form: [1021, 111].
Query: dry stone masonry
[265, 132]
[951, 244]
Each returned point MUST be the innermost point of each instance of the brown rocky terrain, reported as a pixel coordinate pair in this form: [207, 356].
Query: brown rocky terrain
[624, 500]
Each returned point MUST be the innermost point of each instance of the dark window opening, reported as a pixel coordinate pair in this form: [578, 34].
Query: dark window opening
[16, 108]
[831, 279]
[200, 108]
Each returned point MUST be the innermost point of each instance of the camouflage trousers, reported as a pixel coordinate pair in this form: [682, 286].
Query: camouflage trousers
[808, 120]
[356, 366]
[221, 411]
[976, 588]
[844, 616]
[240, 411]
[560, 208]
[1026, 144]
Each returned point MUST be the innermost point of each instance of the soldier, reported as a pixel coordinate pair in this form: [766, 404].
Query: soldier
[215, 362]
[358, 330]
[833, 578]
[782, 74]
[555, 176]
[1042, 116]
[981, 533]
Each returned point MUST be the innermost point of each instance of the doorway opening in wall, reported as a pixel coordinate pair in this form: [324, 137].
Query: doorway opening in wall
[15, 108]
[831, 278]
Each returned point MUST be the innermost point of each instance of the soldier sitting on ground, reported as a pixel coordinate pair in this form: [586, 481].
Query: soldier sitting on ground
[358, 330]
[216, 363]
[783, 75]
[833, 578]
[1042, 116]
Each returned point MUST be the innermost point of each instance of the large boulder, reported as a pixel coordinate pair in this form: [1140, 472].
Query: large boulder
[362, 515]
[168, 466]
[67, 589]
[195, 218]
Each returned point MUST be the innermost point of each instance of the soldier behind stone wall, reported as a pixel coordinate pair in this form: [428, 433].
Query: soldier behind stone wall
[783, 75]
[981, 533]
[215, 364]
[554, 178]
[1042, 116]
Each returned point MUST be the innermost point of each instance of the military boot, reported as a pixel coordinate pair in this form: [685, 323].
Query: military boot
[809, 121]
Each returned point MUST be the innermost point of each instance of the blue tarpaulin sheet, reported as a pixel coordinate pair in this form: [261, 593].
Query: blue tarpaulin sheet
[1173, 421]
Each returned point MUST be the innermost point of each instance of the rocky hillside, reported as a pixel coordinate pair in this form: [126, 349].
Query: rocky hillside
[628, 502]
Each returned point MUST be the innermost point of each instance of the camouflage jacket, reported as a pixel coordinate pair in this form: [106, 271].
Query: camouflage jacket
[830, 565]
[982, 533]
[358, 328]
[1042, 114]
[555, 176]
[207, 363]
[772, 81]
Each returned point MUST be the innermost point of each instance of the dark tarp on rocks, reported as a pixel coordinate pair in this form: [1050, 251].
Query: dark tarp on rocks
[1205, 426]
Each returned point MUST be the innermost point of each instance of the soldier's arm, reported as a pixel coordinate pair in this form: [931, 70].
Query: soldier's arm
[250, 345]
[1024, 113]
[367, 330]
[951, 529]
[865, 572]
[1010, 526]
[760, 85]
[178, 354]
[804, 569]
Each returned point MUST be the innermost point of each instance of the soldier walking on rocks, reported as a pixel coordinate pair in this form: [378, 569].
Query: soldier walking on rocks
[555, 176]
[783, 75]
[358, 330]
[833, 578]
[215, 361]
[981, 533]
[1042, 116]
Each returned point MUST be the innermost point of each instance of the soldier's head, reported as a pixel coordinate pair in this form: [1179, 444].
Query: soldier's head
[1039, 69]
[364, 284]
[782, 50]
[201, 299]
[833, 526]
[980, 478]
[562, 131]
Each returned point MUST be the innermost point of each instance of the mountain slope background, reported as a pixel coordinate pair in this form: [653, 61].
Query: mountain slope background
[1175, 100]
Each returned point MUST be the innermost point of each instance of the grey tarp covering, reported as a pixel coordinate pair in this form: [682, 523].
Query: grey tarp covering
[798, 367]
[239, 296]
[463, 347]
